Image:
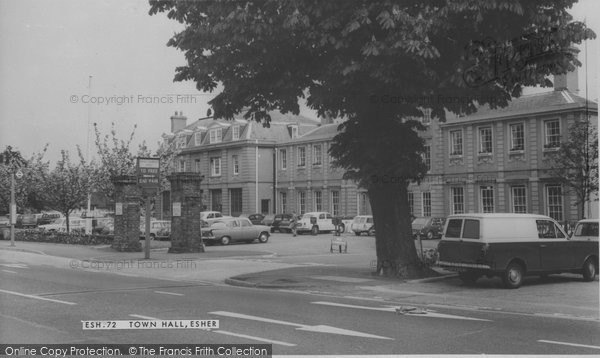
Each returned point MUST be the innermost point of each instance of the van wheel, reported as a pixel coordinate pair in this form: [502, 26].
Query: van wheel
[589, 270]
[263, 238]
[314, 230]
[430, 235]
[468, 277]
[513, 276]
[225, 240]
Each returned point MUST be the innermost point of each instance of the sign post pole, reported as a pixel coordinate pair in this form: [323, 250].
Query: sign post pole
[148, 176]
[13, 210]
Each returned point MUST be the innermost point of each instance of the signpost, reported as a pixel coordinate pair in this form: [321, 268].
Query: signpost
[148, 178]
[13, 205]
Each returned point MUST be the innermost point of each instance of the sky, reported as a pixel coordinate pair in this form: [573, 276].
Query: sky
[67, 64]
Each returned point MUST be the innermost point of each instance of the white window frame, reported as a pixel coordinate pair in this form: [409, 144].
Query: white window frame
[514, 195]
[335, 202]
[215, 166]
[198, 164]
[453, 202]
[197, 138]
[318, 198]
[548, 135]
[283, 201]
[411, 203]
[235, 161]
[302, 202]
[513, 138]
[426, 119]
[427, 157]
[181, 166]
[235, 132]
[302, 156]
[181, 141]
[283, 160]
[215, 135]
[426, 203]
[482, 132]
[294, 131]
[456, 149]
[317, 154]
[487, 203]
[552, 208]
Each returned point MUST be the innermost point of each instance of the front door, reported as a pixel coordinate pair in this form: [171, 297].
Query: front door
[264, 206]
[554, 247]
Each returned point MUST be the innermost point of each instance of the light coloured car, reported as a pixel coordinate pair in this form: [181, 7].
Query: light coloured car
[363, 224]
[586, 230]
[159, 229]
[208, 217]
[227, 230]
[315, 222]
[60, 225]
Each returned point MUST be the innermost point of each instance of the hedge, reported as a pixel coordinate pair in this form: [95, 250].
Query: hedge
[74, 238]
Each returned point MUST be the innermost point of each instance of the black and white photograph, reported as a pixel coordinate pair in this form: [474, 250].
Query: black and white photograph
[290, 178]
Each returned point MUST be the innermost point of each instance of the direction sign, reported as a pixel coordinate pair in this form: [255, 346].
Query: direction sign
[148, 172]
[19, 174]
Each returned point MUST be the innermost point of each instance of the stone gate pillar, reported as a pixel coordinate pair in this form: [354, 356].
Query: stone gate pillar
[127, 214]
[186, 204]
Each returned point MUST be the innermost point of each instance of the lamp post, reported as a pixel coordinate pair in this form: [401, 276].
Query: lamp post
[13, 205]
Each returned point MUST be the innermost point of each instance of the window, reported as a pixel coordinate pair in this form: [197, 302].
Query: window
[318, 200]
[487, 199]
[547, 230]
[302, 202]
[317, 154]
[197, 138]
[235, 132]
[283, 201]
[519, 199]
[363, 199]
[283, 158]
[236, 164]
[426, 115]
[216, 135]
[411, 203]
[197, 165]
[457, 200]
[301, 156]
[245, 222]
[294, 131]
[554, 202]
[454, 228]
[427, 157]
[485, 140]
[335, 203]
[426, 203]
[456, 143]
[471, 229]
[552, 131]
[235, 196]
[181, 165]
[215, 166]
[181, 140]
[517, 137]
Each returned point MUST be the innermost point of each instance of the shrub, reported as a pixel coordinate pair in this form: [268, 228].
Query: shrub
[73, 238]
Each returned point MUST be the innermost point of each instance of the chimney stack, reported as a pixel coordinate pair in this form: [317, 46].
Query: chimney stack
[326, 119]
[178, 122]
[568, 81]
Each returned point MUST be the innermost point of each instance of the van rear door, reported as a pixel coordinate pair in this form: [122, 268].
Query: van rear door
[460, 246]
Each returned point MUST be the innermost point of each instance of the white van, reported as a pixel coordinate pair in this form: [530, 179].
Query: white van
[315, 222]
[363, 223]
[512, 246]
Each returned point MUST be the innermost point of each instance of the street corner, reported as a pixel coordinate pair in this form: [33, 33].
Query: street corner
[256, 281]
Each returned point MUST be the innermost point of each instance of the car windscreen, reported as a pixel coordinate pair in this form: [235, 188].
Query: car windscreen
[586, 229]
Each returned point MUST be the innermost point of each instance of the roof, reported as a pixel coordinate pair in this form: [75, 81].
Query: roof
[532, 104]
[498, 216]
[324, 132]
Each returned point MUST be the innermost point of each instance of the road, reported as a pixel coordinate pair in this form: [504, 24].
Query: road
[41, 303]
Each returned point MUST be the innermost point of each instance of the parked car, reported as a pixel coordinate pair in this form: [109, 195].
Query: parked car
[281, 223]
[104, 226]
[363, 224]
[512, 246]
[346, 222]
[256, 219]
[4, 221]
[268, 220]
[586, 229]
[60, 225]
[48, 218]
[159, 229]
[26, 221]
[315, 222]
[227, 230]
[428, 227]
[208, 217]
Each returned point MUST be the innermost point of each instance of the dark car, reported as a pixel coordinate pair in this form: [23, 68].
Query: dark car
[428, 227]
[26, 220]
[281, 223]
[49, 218]
[268, 220]
[256, 219]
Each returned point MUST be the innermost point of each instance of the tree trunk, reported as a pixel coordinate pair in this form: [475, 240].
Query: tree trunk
[395, 246]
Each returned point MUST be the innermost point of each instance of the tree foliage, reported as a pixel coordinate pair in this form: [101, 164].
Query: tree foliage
[575, 162]
[344, 57]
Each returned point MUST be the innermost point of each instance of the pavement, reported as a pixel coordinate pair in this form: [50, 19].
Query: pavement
[335, 275]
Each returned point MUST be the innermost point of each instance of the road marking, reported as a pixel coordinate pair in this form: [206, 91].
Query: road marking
[301, 327]
[255, 338]
[169, 293]
[145, 317]
[14, 265]
[569, 344]
[429, 314]
[9, 271]
[37, 297]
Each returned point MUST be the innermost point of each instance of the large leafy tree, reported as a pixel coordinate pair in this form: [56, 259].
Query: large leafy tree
[350, 58]
[575, 162]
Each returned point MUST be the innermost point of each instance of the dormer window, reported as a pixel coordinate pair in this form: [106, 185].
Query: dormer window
[216, 135]
[235, 133]
[426, 115]
[197, 138]
[294, 131]
[181, 139]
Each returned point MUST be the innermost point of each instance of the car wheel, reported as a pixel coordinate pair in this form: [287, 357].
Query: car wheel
[513, 276]
[589, 270]
[152, 237]
[357, 233]
[371, 232]
[263, 237]
[314, 230]
[468, 277]
[342, 229]
[429, 235]
[225, 240]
